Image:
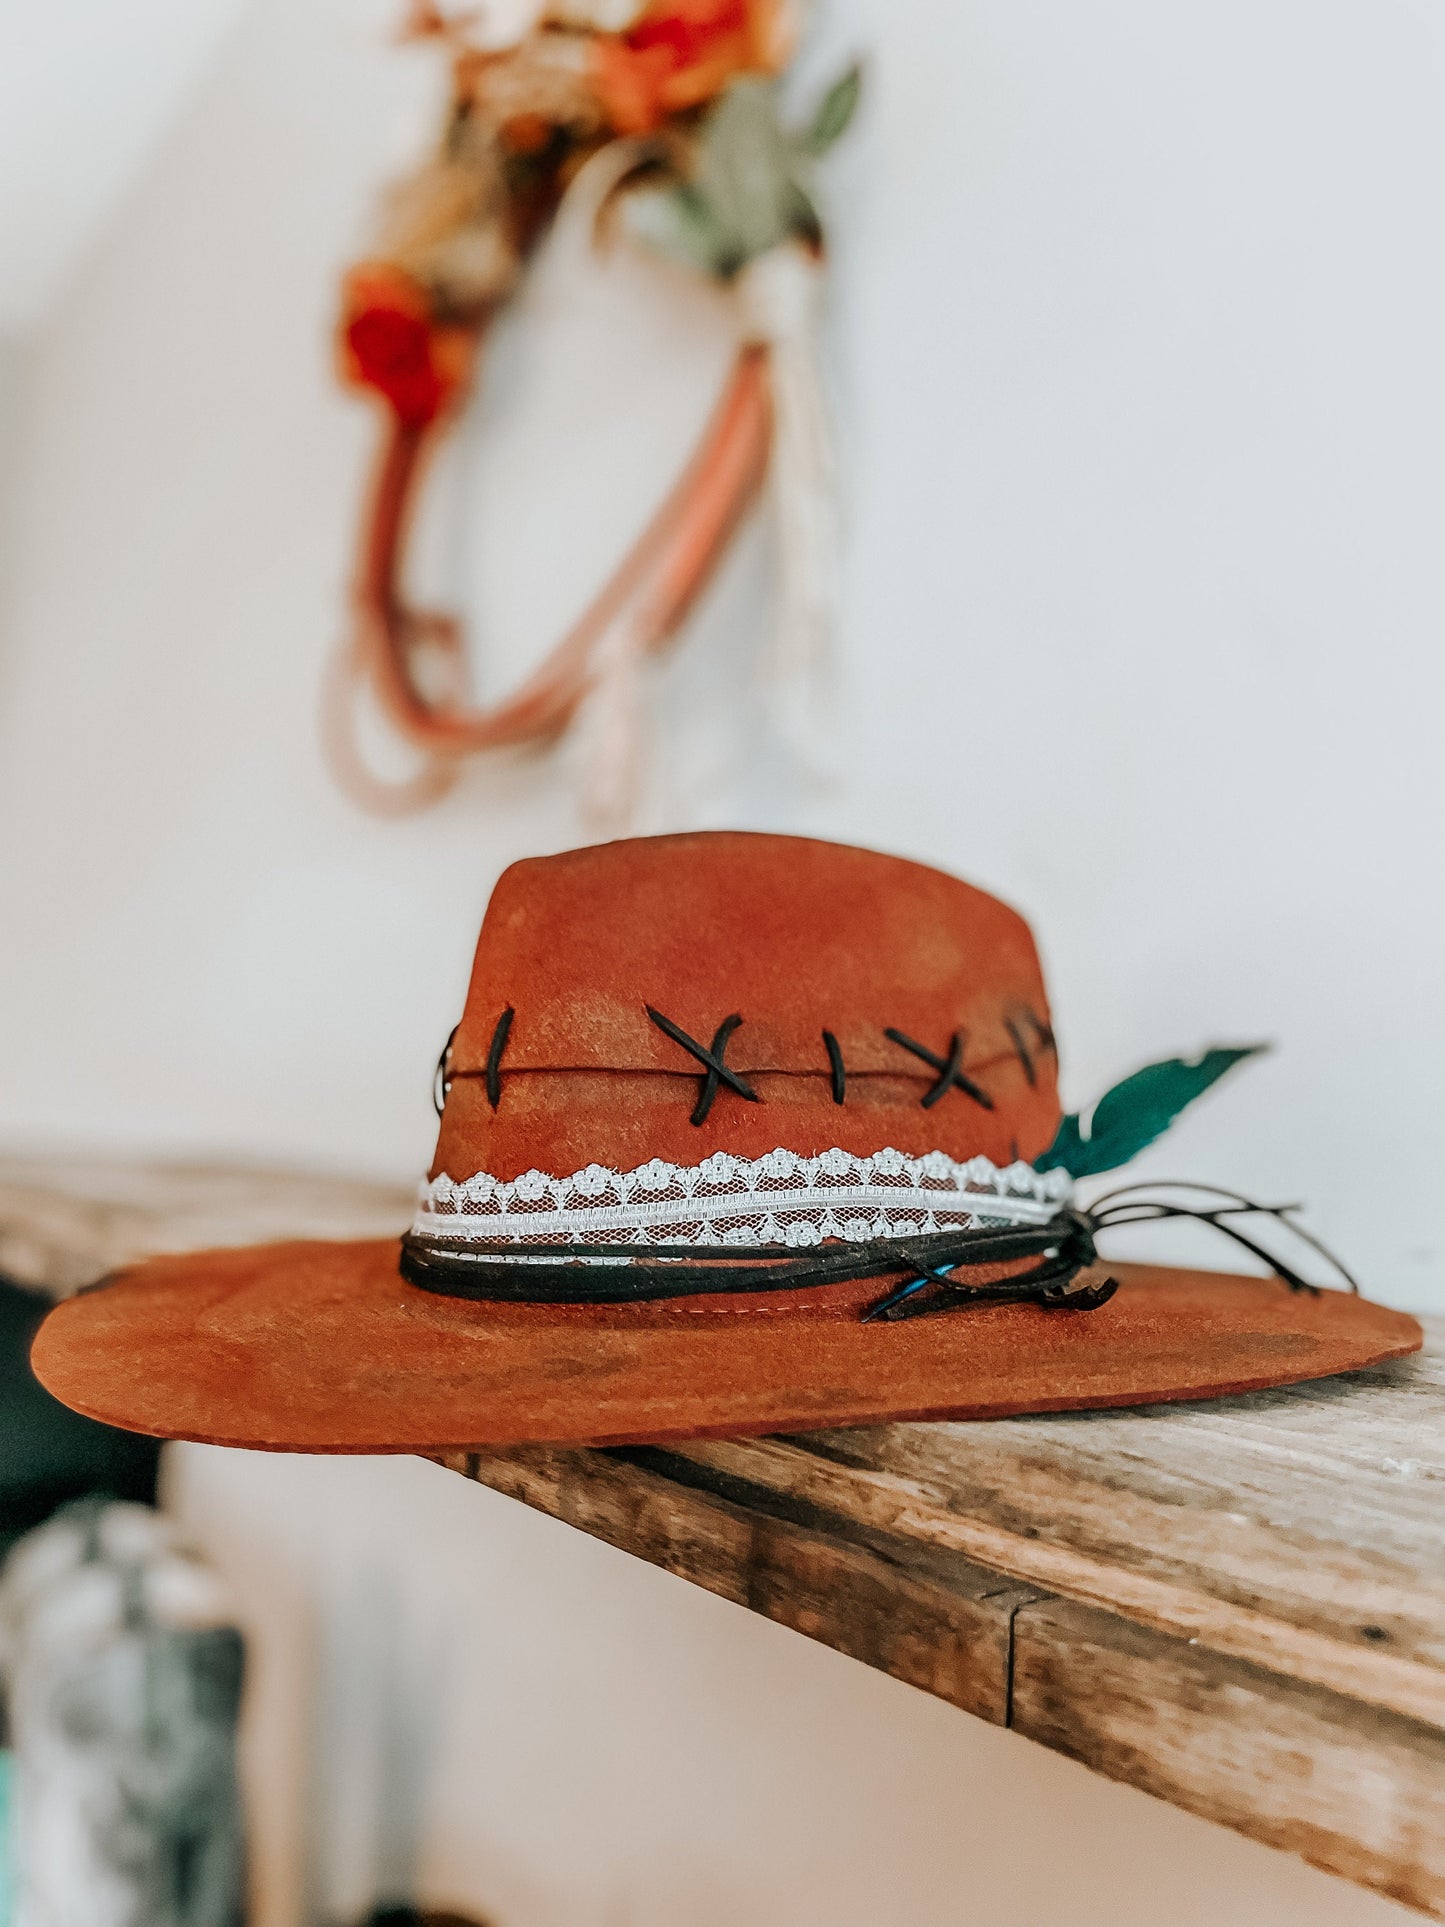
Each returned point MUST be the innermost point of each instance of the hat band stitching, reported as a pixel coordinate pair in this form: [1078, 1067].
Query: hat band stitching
[834, 1072]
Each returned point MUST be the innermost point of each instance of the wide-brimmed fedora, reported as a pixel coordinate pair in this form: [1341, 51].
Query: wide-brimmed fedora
[739, 1133]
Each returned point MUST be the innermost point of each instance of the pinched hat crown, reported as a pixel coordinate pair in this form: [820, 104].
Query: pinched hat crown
[715, 1014]
[603, 975]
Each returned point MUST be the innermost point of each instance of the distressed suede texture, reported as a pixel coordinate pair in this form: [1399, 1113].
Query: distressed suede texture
[324, 1348]
[795, 936]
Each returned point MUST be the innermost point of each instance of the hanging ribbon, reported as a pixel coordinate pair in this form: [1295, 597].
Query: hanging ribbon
[780, 296]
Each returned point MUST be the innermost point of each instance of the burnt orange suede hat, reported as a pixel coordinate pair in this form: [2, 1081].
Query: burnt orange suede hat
[738, 1134]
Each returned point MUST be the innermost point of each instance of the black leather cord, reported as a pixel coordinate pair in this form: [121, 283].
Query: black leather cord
[553, 1275]
[1150, 1203]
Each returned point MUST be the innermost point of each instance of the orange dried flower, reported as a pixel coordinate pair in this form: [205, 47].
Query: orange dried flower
[682, 53]
[526, 133]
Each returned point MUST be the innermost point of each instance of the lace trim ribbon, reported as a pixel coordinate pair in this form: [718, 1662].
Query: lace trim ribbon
[780, 1199]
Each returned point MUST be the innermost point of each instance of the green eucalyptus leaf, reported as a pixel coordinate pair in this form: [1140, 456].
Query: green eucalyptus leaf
[745, 168]
[838, 106]
[1134, 1113]
[804, 221]
[747, 189]
[678, 222]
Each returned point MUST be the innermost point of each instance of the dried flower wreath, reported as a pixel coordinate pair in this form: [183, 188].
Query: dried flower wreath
[667, 111]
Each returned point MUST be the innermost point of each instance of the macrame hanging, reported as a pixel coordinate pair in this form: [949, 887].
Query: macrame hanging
[665, 116]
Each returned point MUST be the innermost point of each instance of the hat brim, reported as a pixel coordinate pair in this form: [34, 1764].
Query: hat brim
[310, 1347]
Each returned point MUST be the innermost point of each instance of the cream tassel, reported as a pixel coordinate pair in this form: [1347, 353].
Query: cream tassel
[779, 295]
[609, 721]
[610, 727]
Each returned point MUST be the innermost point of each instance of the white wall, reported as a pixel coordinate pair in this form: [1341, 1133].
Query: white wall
[1135, 351]
[555, 1735]
[13, 369]
[85, 89]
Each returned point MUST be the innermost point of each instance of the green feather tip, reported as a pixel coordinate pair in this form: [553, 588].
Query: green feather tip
[1134, 1113]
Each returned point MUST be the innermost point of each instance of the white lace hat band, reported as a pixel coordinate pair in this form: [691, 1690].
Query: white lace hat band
[781, 1199]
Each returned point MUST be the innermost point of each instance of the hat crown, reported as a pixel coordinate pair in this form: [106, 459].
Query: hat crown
[620, 964]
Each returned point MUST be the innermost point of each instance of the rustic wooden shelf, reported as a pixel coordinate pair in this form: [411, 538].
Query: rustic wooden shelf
[1238, 1606]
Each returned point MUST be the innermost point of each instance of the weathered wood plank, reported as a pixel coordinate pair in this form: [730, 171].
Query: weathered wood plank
[939, 1624]
[1357, 1792]
[1323, 1504]
[64, 1222]
[1302, 1530]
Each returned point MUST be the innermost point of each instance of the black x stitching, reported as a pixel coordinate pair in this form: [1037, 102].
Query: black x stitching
[836, 1068]
[494, 1056]
[441, 1082]
[1043, 1039]
[1025, 1056]
[950, 1070]
[712, 1060]
[1043, 1032]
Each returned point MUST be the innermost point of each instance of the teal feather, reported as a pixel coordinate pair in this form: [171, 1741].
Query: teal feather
[1134, 1113]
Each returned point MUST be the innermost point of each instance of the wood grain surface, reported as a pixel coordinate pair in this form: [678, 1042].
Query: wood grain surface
[67, 1221]
[1238, 1607]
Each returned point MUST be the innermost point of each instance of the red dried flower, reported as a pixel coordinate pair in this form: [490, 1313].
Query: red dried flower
[392, 343]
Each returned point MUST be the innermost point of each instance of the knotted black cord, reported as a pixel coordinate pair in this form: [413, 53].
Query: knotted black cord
[491, 1270]
[1064, 1247]
[1126, 1205]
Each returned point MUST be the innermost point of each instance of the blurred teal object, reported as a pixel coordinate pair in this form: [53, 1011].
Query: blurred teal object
[49, 1454]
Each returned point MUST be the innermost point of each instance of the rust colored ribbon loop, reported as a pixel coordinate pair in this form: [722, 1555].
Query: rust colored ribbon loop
[657, 583]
